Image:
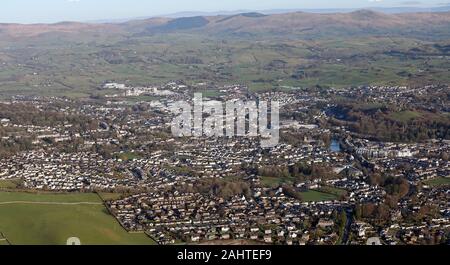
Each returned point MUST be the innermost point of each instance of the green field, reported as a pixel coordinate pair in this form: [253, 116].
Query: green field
[109, 196]
[317, 196]
[9, 183]
[436, 182]
[324, 194]
[77, 70]
[50, 219]
[273, 182]
[405, 116]
[333, 190]
[209, 93]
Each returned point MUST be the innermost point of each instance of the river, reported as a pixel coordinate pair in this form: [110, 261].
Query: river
[335, 146]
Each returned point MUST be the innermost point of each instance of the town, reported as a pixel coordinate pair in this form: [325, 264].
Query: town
[332, 179]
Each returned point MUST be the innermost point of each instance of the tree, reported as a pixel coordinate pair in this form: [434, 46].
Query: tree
[375, 179]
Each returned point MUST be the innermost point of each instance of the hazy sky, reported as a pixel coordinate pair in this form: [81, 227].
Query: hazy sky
[33, 11]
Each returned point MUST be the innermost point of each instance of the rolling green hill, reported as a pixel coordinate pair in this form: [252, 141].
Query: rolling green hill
[261, 51]
[50, 219]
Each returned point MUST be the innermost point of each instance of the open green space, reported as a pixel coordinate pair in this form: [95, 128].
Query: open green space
[333, 190]
[405, 116]
[49, 197]
[77, 71]
[324, 194]
[50, 219]
[317, 196]
[9, 183]
[210, 93]
[436, 182]
[274, 182]
[109, 196]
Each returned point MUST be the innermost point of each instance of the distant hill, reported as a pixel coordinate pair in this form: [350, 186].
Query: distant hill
[312, 25]
[387, 10]
[293, 25]
[184, 23]
[260, 50]
[33, 30]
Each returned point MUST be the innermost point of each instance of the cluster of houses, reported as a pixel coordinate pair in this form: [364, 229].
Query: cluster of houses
[135, 91]
[192, 217]
[424, 160]
[359, 191]
[374, 150]
[84, 171]
[395, 95]
[58, 171]
[268, 215]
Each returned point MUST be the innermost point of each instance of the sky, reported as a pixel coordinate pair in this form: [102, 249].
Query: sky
[49, 11]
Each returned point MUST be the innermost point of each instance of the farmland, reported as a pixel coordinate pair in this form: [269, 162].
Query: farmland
[336, 55]
[50, 219]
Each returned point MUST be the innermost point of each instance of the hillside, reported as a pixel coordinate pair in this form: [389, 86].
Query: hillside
[299, 24]
[262, 51]
[308, 25]
[32, 30]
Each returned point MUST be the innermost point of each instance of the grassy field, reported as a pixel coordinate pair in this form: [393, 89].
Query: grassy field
[9, 183]
[405, 116]
[333, 190]
[317, 196]
[209, 93]
[108, 196]
[49, 197]
[78, 70]
[50, 219]
[324, 194]
[436, 182]
[274, 182]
